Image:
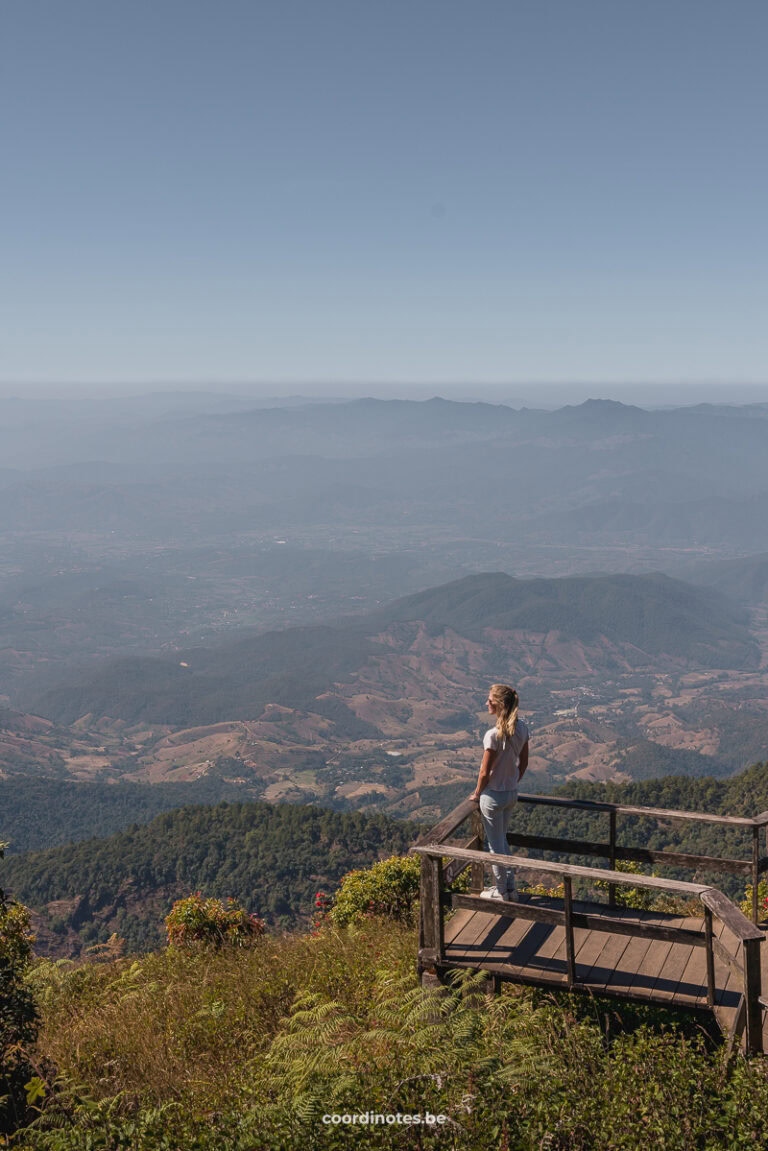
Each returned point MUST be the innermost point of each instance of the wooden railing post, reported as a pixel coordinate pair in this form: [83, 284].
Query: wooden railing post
[755, 869]
[569, 946]
[427, 943]
[710, 957]
[612, 857]
[477, 871]
[752, 992]
[438, 890]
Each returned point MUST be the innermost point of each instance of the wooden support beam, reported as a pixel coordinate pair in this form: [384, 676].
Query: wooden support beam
[638, 927]
[569, 947]
[612, 856]
[724, 954]
[735, 1033]
[729, 914]
[427, 940]
[454, 869]
[592, 873]
[755, 870]
[477, 875]
[709, 937]
[584, 921]
[447, 826]
[752, 995]
[510, 910]
[437, 907]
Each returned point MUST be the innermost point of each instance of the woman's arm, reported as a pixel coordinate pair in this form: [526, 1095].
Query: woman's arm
[523, 761]
[489, 756]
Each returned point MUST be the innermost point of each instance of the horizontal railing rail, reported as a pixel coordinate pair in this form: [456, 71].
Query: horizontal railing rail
[611, 849]
[651, 812]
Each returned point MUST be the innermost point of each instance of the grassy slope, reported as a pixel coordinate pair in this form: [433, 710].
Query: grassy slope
[246, 1051]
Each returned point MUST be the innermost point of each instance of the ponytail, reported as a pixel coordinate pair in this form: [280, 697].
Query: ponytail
[507, 704]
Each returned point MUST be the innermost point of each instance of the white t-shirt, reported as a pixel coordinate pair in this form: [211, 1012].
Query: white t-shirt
[505, 771]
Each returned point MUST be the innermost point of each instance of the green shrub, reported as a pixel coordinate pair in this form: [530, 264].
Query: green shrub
[18, 1016]
[389, 888]
[647, 898]
[211, 921]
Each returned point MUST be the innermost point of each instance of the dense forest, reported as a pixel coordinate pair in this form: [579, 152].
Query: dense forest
[42, 813]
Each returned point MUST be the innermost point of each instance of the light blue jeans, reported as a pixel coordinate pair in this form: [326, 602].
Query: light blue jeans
[496, 808]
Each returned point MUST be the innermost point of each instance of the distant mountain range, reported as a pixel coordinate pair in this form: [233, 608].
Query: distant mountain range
[173, 469]
[178, 575]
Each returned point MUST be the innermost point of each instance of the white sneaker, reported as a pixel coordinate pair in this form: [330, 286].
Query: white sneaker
[491, 893]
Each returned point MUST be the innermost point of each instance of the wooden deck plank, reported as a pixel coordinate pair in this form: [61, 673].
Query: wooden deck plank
[549, 959]
[692, 988]
[521, 941]
[648, 971]
[469, 942]
[456, 924]
[502, 943]
[607, 960]
[624, 972]
[675, 962]
[525, 934]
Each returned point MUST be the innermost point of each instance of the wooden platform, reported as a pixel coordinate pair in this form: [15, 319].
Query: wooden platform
[623, 966]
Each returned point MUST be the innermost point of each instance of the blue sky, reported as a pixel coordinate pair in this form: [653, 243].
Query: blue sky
[346, 192]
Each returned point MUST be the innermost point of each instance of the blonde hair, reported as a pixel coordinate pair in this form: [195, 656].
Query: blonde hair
[507, 703]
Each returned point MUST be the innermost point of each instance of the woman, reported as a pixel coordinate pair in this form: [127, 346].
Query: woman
[505, 759]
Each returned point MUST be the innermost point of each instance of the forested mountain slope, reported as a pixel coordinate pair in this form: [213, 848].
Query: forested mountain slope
[651, 614]
[271, 858]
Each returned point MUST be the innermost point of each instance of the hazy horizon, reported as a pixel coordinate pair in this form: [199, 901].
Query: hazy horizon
[514, 394]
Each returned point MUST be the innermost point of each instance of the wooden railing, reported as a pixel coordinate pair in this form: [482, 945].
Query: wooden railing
[612, 851]
[434, 846]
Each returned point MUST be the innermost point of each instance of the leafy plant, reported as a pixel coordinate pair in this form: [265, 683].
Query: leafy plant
[18, 1014]
[389, 888]
[644, 898]
[211, 921]
[762, 900]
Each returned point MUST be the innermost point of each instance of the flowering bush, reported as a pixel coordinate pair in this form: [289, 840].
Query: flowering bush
[211, 921]
[322, 910]
[762, 900]
[389, 888]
